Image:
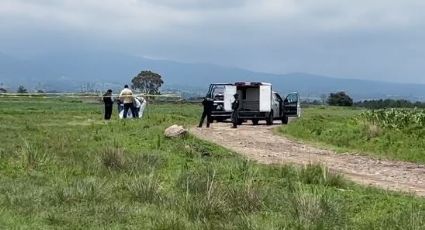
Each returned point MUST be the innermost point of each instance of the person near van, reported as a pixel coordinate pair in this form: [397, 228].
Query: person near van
[109, 102]
[208, 105]
[235, 108]
[126, 96]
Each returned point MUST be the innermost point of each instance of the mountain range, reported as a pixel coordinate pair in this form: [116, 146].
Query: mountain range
[72, 71]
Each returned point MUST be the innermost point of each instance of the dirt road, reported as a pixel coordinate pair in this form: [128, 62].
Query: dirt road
[261, 144]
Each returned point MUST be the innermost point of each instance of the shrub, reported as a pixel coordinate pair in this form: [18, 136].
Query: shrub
[340, 99]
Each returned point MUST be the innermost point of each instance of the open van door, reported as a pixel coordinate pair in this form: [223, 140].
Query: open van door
[229, 91]
[291, 105]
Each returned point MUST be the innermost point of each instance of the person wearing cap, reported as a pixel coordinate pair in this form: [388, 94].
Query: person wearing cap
[109, 103]
[126, 96]
[235, 107]
[208, 105]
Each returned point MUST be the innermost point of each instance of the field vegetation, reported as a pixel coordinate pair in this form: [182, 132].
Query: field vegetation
[388, 133]
[61, 166]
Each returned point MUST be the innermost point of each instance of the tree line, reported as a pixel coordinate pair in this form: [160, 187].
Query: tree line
[343, 99]
[389, 103]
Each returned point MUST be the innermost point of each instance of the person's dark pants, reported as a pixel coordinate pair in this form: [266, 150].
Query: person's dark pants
[130, 106]
[206, 114]
[108, 111]
[235, 119]
[136, 110]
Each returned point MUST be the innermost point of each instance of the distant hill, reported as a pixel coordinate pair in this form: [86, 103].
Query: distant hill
[69, 72]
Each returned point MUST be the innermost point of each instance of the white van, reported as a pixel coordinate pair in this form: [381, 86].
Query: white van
[259, 102]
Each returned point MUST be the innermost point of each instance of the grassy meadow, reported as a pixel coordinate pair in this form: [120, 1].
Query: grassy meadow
[61, 166]
[390, 134]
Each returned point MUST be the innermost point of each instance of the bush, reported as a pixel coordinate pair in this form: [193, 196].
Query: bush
[22, 89]
[340, 99]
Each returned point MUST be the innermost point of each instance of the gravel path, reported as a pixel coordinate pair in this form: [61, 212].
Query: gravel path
[260, 144]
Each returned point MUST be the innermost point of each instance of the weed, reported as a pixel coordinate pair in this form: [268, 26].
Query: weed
[169, 221]
[145, 189]
[113, 158]
[314, 209]
[320, 175]
[31, 156]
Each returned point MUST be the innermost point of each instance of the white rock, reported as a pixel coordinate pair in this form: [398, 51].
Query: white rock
[175, 131]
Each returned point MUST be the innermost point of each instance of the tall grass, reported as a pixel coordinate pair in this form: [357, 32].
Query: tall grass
[394, 134]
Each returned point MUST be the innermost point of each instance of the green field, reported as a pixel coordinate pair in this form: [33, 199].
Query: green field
[61, 166]
[390, 134]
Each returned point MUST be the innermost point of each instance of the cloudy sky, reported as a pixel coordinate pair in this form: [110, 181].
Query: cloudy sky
[365, 39]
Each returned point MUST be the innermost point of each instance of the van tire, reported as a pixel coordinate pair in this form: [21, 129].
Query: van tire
[269, 120]
[285, 119]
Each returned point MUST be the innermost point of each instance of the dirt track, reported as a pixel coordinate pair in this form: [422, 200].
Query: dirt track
[260, 144]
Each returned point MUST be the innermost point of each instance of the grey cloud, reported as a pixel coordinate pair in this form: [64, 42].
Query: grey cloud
[378, 39]
[203, 5]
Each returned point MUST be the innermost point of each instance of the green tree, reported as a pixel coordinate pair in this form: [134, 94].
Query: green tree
[147, 82]
[340, 99]
[21, 89]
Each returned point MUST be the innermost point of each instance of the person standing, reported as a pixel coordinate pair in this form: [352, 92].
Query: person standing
[143, 106]
[109, 103]
[208, 107]
[137, 104]
[235, 108]
[126, 96]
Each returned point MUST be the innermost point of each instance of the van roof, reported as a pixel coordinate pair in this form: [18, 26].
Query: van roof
[247, 83]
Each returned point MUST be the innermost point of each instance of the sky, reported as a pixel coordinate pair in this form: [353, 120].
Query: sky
[362, 39]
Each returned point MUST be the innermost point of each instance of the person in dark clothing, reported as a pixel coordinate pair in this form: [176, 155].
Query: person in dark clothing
[208, 104]
[109, 102]
[235, 107]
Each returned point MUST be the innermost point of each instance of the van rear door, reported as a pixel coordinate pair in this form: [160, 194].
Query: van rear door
[291, 105]
[229, 91]
[265, 98]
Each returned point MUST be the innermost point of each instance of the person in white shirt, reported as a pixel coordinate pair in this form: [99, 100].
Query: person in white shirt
[126, 96]
[141, 105]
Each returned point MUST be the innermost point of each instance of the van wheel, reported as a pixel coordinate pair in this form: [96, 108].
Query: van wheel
[285, 119]
[269, 120]
[255, 121]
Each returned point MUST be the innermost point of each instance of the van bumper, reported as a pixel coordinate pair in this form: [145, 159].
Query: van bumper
[252, 115]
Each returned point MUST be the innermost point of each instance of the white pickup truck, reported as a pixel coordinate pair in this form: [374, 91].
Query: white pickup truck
[257, 102]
